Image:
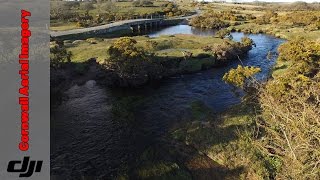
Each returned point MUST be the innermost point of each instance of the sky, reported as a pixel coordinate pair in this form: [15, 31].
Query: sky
[309, 1]
[283, 0]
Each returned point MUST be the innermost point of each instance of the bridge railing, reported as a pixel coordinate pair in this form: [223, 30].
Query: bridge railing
[150, 17]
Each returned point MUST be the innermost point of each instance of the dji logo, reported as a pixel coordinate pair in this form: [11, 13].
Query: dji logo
[27, 168]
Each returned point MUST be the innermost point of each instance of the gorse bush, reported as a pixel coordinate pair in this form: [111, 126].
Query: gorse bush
[131, 63]
[295, 6]
[218, 20]
[300, 50]
[125, 57]
[229, 50]
[297, 19]
[86, 6]
[239, 77]
[247, 41]
[266, 18]
[292, 128]
[291, 112]
[288, 115]
[59, 55]
[142, 3]
[208, 22]
[223, 33]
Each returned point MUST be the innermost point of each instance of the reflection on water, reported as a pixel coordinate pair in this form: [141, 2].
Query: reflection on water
[87, 136]
[182, 29]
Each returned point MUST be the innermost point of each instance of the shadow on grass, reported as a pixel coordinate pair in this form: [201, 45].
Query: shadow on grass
[182, 154]
[170, 159]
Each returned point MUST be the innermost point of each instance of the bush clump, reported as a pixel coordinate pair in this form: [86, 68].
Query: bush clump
[59, 55]
[239, 77]
[131, 63]
[230, 50]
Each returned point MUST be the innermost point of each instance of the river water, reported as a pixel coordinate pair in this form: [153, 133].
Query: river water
[88, 141]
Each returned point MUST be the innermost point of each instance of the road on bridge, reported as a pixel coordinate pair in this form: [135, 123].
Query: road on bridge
[114, 24]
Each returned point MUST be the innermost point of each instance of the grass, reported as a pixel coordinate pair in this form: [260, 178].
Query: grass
[64, 26]
[280, 68]
[281, 30]
[154, 164]
[172, 46]
[85, 50]
[285, 32]
[226, 139]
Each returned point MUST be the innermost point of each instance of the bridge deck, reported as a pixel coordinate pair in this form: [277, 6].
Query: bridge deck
[114, 24]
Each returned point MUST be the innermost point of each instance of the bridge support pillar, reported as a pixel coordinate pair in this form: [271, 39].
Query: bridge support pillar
[134, 28]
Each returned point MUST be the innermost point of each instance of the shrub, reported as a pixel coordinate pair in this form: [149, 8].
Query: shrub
[292, 126]
[290, 112]
[228, 50]
[246, 41]
[61, 11]
[208, 22]
[132, 64]
[239, 77]
[142, 3]
[266, 18]
[59, 55]
[86, 6]
[223, 33]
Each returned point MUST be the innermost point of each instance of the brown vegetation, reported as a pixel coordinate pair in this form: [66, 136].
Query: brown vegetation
[290, 118]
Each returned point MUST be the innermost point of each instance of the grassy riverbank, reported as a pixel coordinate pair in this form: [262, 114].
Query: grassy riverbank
[283, 121]
[171, 46]
[265, 137]
[275, 19]
[273, 134]
[142, 59]
[206, 146]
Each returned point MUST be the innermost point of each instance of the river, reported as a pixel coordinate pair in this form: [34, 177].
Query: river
[88, 140]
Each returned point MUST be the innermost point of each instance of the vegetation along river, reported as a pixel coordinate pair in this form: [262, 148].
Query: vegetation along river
[88, 135]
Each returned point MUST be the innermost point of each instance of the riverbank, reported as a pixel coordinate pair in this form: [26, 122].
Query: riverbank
[281, 117]
[171, 55]
[288, 33]
[193, 125]
[154, 111]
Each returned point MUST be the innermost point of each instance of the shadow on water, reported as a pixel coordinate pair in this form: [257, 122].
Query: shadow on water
[99, 132]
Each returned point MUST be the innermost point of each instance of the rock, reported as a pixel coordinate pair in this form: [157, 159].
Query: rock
[77, 41]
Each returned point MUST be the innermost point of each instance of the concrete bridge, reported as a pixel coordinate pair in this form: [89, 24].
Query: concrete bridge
[126, 26]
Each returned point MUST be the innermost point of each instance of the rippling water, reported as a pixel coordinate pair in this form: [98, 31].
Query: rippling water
[86, 140]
